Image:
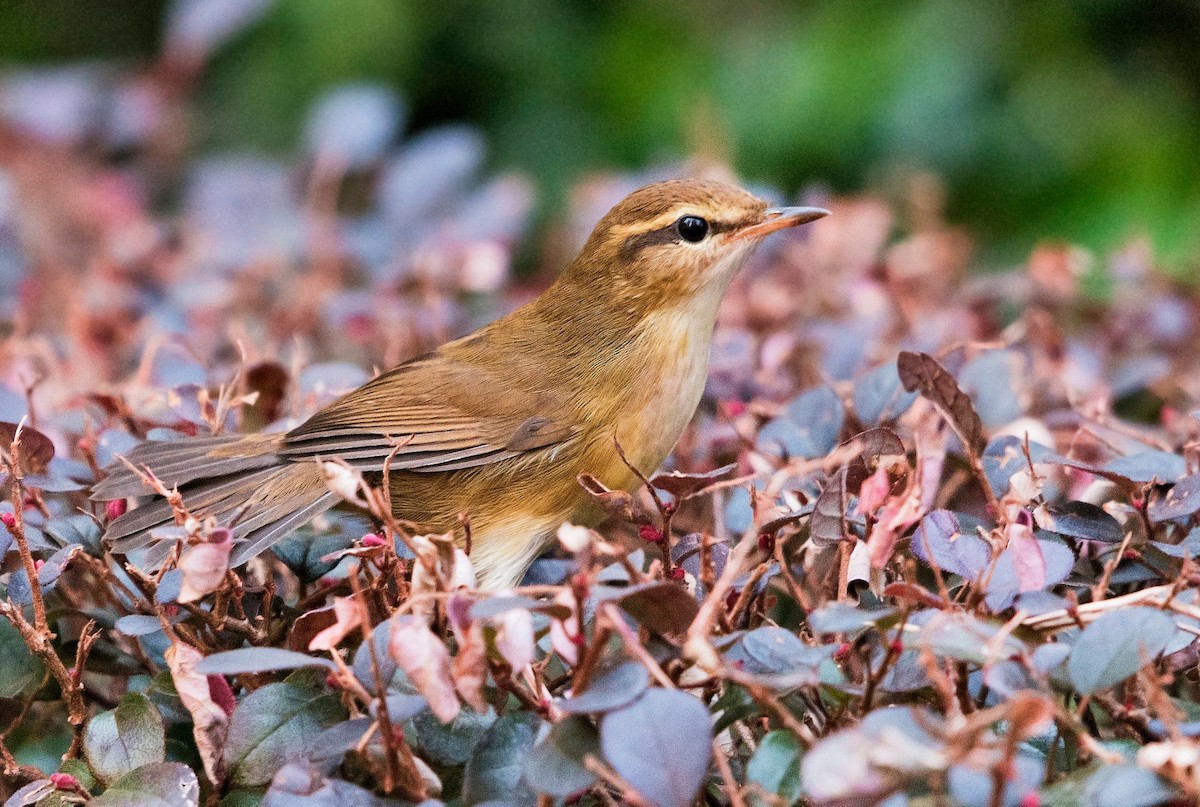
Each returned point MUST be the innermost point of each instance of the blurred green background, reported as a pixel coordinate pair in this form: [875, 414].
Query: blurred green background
[1055, 119]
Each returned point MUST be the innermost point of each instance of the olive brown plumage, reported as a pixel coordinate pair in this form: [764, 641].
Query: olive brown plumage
[500, 423]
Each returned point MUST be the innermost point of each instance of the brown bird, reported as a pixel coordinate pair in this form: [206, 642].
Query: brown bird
[500, 423]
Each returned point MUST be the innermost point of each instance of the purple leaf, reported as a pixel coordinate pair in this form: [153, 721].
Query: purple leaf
[937, 540]
[258, 660]
[661, 745]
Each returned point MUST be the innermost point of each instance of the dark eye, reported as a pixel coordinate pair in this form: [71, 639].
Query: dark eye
[692, 229]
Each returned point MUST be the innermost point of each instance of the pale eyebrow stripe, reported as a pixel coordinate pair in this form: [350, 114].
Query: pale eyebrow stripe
[657, 223]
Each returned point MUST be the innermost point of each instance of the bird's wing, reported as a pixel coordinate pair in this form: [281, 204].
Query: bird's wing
[445, 414]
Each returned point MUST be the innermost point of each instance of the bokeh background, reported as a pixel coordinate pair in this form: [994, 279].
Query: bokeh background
[1058, 119]
[220, 214]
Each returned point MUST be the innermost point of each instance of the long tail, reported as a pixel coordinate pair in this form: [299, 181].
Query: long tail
[238, 479]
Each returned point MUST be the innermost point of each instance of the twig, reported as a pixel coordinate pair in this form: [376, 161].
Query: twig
[17, 530]
[767, 699]
[1063, 618]
[1100, 590]
[731, 786]
[697, 645]
[892, 652]
[37, 636]
[794, 587]
[614, 780]
[402, 770]
[665, 509]
[743, 600]
[634, 647]
[1135, 719]
[40, 644]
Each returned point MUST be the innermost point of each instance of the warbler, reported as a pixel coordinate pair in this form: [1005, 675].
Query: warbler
[500, 423]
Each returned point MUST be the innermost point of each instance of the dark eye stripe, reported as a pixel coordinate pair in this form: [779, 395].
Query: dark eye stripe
[664, 235]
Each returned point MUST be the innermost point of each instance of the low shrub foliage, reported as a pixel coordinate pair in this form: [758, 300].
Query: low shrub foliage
[929, 539]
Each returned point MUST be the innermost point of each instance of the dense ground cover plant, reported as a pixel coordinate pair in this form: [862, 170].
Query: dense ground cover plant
[929, 539]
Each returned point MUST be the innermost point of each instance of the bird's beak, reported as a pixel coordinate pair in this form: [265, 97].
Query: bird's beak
[778, 218]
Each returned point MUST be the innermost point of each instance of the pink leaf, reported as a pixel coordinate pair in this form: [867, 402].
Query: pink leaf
[1028, 562]
[565, 634]
[204, 566]
[896, 517]
[514, 637]
[470, 663]
[347, 617]
[426, 662]
[470, 666]
[874, 491]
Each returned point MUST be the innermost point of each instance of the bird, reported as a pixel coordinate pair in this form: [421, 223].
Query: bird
[498, 424]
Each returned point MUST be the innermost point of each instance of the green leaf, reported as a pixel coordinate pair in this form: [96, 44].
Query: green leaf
[1080, 520]
[734, 704]
[40, 792]
[163, 784]
[161, 692]
[775, 767]
[298, 784]
[555, 766]
[138, 625]
[78, 529]
[494, 606]
[19, 668]
[660, 744]
[303, 550]
[1116, 646]
[242, 798]
[450, 743]
[121, 740]
[494, 771]
[276, 724]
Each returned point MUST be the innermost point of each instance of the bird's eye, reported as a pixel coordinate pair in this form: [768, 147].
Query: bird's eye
[692, 229]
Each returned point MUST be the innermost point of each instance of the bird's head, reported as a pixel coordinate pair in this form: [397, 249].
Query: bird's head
[675, 241]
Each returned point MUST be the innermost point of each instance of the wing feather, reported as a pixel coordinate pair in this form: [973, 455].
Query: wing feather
[435, 414]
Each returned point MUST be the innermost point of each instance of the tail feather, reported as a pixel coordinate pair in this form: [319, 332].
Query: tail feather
[292, 488]
[240, 481]
[264, 537]
[208, 497]
[183, 461]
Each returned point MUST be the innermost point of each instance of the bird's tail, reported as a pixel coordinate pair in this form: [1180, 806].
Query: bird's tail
[240, 480]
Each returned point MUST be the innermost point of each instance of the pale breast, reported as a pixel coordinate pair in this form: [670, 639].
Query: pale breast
[664, 398]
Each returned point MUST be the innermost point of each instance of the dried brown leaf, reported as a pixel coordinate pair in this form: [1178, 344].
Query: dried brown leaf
[36, 448]
[307, 626]
[873, 446]
[920, 372]
[684, 486]
[828, 524]
[210, 723]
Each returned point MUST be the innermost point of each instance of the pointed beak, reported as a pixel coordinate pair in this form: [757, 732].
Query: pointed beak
[779, 218]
